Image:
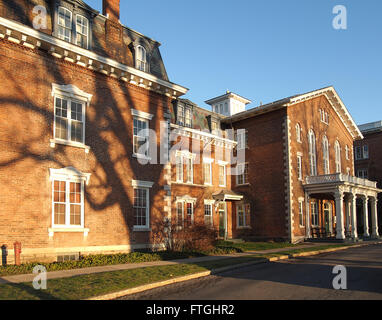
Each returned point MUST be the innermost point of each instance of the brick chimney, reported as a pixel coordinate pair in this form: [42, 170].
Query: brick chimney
[110, 9]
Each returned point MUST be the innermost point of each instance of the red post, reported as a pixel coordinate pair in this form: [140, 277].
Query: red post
[17, 248]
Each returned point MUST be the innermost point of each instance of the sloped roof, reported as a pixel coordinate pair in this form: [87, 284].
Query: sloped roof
[329, 92]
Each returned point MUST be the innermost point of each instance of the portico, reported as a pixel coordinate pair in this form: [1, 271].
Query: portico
[344, 190]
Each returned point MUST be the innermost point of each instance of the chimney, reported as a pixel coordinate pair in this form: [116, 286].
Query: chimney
[110, 9]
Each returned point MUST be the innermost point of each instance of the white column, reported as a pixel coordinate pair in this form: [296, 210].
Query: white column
[307, 213]
[374, 218]
[365, 217]
[339, 197]
[348, 215]
[354, 233]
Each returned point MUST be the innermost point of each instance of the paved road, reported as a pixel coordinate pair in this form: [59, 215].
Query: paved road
[301, 278]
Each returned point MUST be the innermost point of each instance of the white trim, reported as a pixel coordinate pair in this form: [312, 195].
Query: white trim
[69, 174]
[71, 91]
[207, 201]
[208, 160]
[141, 114]
[141, 184]
[30, 32]
[186, 198]
[53, 230]
[222, 163]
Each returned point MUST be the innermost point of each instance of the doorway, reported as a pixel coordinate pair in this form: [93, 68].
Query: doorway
[328, 218]
[222, 220]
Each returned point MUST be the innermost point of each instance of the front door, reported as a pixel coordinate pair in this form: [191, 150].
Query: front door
[222, 220]
[328, 218]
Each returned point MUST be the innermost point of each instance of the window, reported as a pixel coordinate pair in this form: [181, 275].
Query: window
[298, 132]
[207, 172]
[242, 139]
[222, 175]
[347, 152]
[208, 221]
[312, 153]
[363, 173]
[189, 170]
[64, 24]
[324, 116]
[179, 168]
[82, 31]
[314, 213]
[242, 174]
[338, 156]
[179, 213]
[190, 213]
[141, 59]
[362, 152]
[325, 152]
[180, 116]
[301, 212]
[299, 167]
[67, 203]
[141, 208]
[140, 137]
[243, 215]
[69, 120]
[188, 118]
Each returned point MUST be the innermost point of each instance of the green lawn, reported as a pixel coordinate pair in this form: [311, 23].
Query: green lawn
[255, 246]
[86, 286]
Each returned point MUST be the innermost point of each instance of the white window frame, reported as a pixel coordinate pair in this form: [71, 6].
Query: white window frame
[144, 185]
[146, 136]
[187, 117]
[301, 212]
[225, 175]
[63, 26]
[243, 175]
[181, 203]
[315, 212]
[179, 167]
[312, 153]
[326, 156]
[68, 175]
[210, 205]
[337, 149]
[87, 27]
[242, 139]
[207, 161]
[363, 173]
[141, 64]
[299, 167]
[192, 210]
[189, 169]
[347, 152]
[365, 151]
[298, 133]
[242, 207]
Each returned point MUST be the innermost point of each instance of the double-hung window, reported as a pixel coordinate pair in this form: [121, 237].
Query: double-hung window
[337, 148]
[190, 213]
[179, 214]
[363, 173]
[222, 175]
[179, 168]
[189, 170]
[301, 212]
[243, 215]
[69, 120]
[312, 153]
[299, 167]
[242, 139]
[207, 171]
[325, 151]
[314, 213]
[242, 174]
[82, 32]
[362, 152]
[64, 24]
[141, 137]
[141, 207]
[141, 58]
[188, 118]
[208, 220]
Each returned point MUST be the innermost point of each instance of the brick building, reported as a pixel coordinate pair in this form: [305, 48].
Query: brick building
[368, 157]
[98, 148]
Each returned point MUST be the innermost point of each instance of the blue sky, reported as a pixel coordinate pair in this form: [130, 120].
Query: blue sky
[266, 50]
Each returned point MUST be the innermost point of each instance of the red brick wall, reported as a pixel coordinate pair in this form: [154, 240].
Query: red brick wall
[266, 189]
[308, 116]
[26, 128]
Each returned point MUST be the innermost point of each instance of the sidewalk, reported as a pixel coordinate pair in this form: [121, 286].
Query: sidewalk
[77, 272]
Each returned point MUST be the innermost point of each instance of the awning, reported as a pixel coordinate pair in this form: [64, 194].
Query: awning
[227, 195]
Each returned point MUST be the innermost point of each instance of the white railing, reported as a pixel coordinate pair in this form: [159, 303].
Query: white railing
[340, 178]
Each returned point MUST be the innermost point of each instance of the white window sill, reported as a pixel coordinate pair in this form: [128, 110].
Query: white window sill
[53, 143]
[141, 156]
[141, 229]
[85, 231]
[190, 184]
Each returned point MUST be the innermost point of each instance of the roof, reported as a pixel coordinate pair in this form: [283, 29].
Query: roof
[329, 92]
[371, 127]
[227, 95]
[226, 194]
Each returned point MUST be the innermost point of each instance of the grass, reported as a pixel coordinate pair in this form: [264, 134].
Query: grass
[86, 286]
[254, 246]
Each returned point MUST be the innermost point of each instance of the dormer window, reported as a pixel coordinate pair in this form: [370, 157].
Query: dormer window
[72, 27]
[82, 30]
[188, 118]
[141, 59]
[64, 24]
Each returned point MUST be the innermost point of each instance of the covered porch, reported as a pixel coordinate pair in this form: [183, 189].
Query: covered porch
[338, 194]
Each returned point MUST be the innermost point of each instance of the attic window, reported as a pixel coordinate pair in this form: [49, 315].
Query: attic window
[141, 60]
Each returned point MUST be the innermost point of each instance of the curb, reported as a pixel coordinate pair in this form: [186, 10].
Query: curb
[203, 274]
